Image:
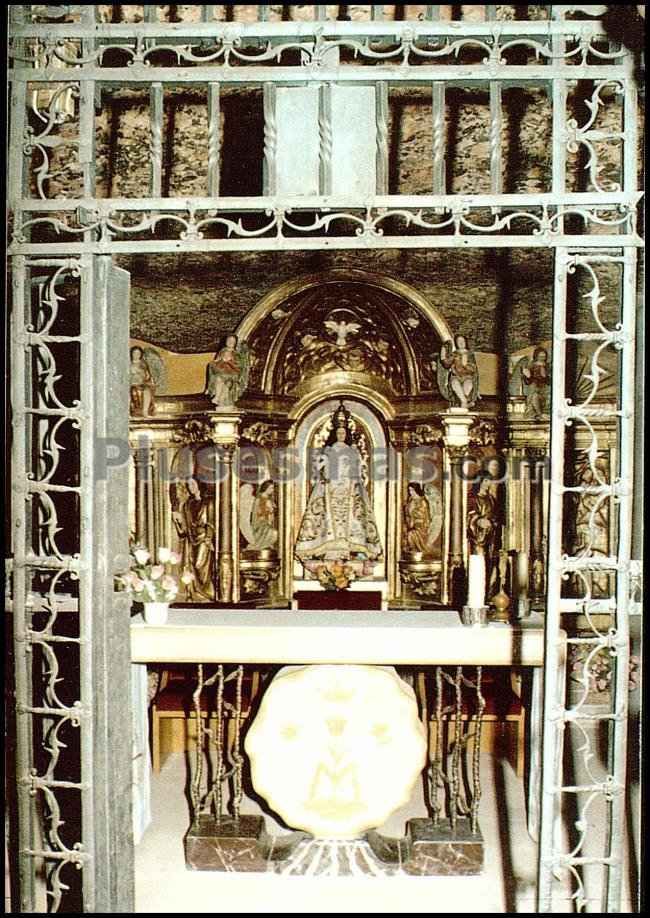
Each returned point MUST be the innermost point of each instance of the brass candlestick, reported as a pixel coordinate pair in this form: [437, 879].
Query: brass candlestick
[501, 601]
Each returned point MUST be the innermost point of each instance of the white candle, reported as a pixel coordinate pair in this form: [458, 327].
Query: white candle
[476, 582]
[522, 575]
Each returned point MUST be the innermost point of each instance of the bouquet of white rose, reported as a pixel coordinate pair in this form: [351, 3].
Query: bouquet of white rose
[149, 582]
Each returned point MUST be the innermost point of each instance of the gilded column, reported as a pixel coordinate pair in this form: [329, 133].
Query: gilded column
[456, 568]
[225, 436]
[226, 566]
[536, 460]
[144, 458]
[456, 427]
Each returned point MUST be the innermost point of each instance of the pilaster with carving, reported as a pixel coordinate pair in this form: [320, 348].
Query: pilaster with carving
[224, 434]
[536, 458]
[456, 427]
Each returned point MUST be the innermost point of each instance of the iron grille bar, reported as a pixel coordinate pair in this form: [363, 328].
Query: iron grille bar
[439, 165]
[552, 737]
[279, 243]
[310, 202]
[156, 115]
[381, 115]
[496, 137]
[476, 75]
[617, 747]
[87, 371]
[328, 28]
[23, 678]
[214, 140]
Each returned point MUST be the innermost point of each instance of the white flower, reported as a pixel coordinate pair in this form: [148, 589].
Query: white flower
[164, 555]
[157, 571]
[168, 583]
[174, 558]
[151, 589]
[141, 555]
[187, 577]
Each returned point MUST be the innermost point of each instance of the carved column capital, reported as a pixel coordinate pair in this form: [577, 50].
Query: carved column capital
[456, 453]
[224, 429]
[456, 426]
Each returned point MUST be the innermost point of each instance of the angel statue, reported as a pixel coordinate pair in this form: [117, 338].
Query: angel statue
[457, 373]
[227, 375]
[257, 516]
[531, 378]
[147, 376]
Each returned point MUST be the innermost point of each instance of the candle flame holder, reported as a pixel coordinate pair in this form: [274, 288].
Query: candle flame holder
[475, 616]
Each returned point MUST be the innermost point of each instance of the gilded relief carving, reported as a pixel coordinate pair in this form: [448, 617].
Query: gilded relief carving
[258, 516]
[341, 327]
[346, 336]
[422, 520]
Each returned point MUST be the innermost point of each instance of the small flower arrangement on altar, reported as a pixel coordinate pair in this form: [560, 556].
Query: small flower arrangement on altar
[149, 582]
[335, 575]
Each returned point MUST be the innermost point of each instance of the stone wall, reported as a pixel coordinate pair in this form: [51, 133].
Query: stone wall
[188, 302]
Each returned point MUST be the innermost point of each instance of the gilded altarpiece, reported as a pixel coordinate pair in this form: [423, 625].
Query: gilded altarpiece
[229, 487]
[358, 343]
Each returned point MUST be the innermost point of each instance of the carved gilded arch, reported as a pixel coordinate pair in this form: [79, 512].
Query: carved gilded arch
[375, 400]
[343, 329]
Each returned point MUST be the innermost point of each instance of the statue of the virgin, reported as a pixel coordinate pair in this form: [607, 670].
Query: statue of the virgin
[338, 522]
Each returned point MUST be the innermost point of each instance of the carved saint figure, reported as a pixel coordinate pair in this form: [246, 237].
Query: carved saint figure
[531, 378]
[457, 373]
[192, 513]
[417, 518]
[227, 375]
[484, 517]
[338, 522]
[146, 375]
[257, 516]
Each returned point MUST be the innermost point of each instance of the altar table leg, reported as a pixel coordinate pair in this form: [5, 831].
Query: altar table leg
[141, 756]
[535, 733]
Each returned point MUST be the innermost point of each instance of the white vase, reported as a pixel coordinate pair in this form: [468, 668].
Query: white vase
[155, 613]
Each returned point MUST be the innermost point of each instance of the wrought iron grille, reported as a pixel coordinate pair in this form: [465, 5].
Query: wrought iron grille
[63, 60]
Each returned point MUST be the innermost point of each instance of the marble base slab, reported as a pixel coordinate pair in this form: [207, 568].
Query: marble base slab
[243, 845]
